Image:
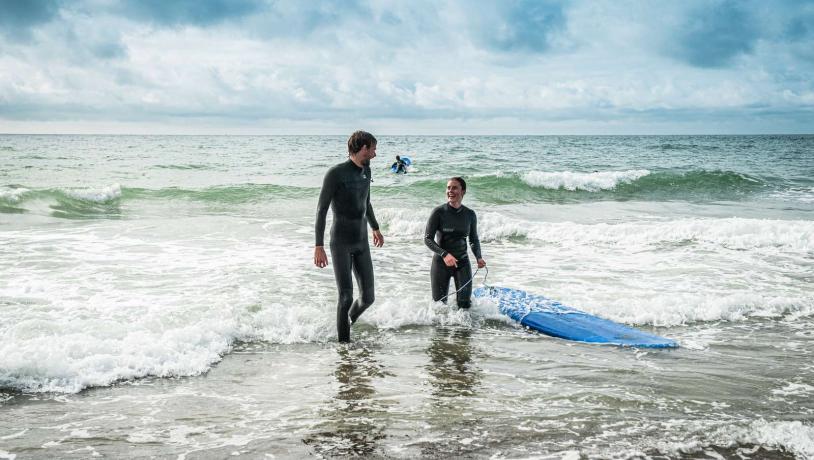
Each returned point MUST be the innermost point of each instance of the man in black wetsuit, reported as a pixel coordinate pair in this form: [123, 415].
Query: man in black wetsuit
[346, 190]
[452, 223]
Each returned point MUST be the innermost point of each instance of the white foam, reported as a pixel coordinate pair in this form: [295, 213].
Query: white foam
[795, 436]
[404, 222]
[124, 307]
[13, 195]
[791, 436]
[794, 389]
[103, 195]
[287, 323]
[417, 309]
[78, 354]
[15, 435]
[659, 272]
[675, 308]
[802, 195]
[591, 182]
[729, 233]
[123, 302]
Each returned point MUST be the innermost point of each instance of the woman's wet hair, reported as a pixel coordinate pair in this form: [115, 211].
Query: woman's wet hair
[360, 139]
[460, 181]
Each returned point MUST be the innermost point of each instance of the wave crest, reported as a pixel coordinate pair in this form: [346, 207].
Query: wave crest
[13, 195]
[104, 195]
[592, 182]
[733, 233]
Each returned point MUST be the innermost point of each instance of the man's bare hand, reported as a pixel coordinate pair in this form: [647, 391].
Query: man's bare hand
[378, 239]
[320, 258]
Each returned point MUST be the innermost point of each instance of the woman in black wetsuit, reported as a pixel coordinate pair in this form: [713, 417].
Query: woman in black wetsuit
[447, 230]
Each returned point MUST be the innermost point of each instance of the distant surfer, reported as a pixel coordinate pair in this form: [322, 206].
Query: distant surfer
[399, 166]
[346, 190]
[449, 227]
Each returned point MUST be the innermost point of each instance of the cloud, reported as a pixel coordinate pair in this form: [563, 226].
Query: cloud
[515, 25]
[714, 34]
[86, 39]
[17, 17]
[530, 63]
[799, 31]
[183, 12]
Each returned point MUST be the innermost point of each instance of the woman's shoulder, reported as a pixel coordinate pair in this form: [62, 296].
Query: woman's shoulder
[440, 208]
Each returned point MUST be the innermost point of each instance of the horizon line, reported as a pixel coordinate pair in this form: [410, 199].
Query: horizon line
[410, 135]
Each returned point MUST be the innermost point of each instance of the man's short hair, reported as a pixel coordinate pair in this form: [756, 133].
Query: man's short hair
[360, 139]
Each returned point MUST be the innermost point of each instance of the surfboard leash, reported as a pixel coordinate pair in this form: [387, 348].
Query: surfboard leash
[467, 283]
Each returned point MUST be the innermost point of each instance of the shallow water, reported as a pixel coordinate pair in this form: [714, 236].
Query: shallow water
[442, 391]
[158, 299]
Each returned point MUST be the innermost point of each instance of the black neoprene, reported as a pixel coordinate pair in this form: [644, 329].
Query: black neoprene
[346, 190]
[447, 232]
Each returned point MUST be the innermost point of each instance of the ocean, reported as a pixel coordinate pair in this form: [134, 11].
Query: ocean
[158, 298]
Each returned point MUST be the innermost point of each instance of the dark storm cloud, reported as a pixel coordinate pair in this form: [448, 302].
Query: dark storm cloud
[17, 17]
[714, 34]
[194, 12]
[518, 25]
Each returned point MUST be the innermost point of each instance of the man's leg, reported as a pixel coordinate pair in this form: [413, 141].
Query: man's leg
[341, 259]
[363, 269]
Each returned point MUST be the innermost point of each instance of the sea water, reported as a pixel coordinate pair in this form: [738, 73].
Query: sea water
[158, 298]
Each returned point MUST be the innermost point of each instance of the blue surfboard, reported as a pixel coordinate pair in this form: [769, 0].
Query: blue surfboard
[555, 319]
[407, 162]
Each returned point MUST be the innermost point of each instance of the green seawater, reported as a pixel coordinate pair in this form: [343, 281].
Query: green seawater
[158, 299]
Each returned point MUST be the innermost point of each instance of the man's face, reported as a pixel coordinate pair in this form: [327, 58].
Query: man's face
[367, 153]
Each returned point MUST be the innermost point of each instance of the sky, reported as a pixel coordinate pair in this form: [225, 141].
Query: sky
[407, 67]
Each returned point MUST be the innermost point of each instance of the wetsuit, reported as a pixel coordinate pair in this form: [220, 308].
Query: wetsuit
[452, 227]
[346, 189]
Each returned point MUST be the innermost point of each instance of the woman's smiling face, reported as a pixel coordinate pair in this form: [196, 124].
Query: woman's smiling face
[455, 193]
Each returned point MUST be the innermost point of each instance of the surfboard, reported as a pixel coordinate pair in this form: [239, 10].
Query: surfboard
[555, 319]
[407, 162]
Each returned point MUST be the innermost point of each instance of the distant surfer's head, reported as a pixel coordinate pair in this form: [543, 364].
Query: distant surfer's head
[360, 140]
[398, 158]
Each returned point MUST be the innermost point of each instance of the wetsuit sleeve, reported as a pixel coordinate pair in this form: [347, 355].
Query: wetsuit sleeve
[371, 218]
[429, 233]
[325, 197]
[474, 241]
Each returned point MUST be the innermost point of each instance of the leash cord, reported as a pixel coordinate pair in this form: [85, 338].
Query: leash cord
[467, 283]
